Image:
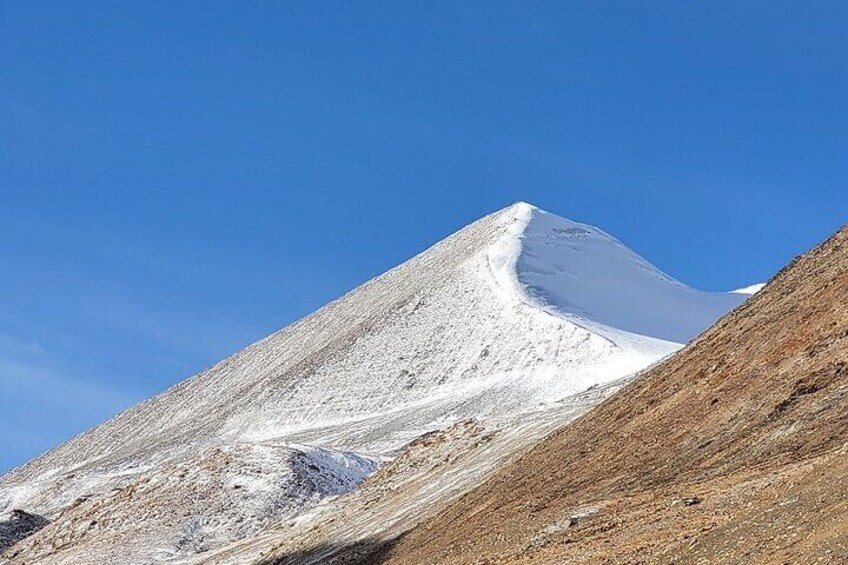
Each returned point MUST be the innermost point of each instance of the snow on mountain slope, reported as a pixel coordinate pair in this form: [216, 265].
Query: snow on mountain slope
[224, 494]
[517, 312]
[752, 289]
[592, 279]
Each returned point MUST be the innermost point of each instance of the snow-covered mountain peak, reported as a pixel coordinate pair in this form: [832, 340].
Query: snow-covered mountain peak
[521, 206]
[516, 321]
[585, 275]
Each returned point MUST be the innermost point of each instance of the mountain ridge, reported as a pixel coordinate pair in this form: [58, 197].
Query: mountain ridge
[430, 343]
[734, 450]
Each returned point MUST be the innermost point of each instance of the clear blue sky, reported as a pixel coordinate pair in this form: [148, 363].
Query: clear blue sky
[178, 179]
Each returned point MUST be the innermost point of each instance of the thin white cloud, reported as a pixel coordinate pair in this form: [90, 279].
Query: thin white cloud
[35, 381]
[41, 406]
[11, 345]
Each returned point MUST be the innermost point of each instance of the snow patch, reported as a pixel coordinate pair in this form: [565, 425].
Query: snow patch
[749, 290]
[585, 275]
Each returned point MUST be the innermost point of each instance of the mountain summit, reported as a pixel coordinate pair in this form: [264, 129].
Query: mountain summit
[583, 274]
[516, 323]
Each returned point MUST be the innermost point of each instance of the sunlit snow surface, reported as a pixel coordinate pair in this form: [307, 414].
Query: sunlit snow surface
[753, 289]
[592, 279]
[502, 322]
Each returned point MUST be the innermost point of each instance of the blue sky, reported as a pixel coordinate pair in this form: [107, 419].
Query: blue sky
[180, 179]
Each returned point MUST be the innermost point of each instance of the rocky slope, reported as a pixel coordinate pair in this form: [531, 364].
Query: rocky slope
[521, 321]
[16, 525]
[735, 450]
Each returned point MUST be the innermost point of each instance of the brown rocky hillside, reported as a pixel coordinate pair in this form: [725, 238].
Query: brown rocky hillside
[733, 451]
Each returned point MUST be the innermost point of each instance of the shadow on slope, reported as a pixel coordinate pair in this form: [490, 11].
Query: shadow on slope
[18, 525]
[363, 552]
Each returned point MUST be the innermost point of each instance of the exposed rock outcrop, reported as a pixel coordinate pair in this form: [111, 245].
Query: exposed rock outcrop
[18, 524]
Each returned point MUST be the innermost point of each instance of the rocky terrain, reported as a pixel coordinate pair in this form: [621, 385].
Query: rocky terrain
[735, 450]
[16, 525]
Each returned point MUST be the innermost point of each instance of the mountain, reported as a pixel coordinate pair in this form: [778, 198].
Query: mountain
[439, 369]
[735, 450]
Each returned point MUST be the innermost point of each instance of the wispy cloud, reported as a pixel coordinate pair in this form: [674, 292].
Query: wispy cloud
[35, 380]
[10, 345]
[41, 405]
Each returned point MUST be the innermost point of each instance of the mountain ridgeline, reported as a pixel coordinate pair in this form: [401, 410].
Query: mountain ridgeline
[735, 450]
[370, 415]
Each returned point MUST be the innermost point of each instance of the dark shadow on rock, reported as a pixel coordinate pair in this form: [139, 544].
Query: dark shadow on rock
[364, 552]
[18, 525]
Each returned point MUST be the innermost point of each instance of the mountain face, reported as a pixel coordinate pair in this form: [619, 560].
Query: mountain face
[433, 373]
[735, 450]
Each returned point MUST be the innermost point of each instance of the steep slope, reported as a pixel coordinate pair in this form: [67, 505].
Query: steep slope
[511, 316]
[735, 450]
[591, 278]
